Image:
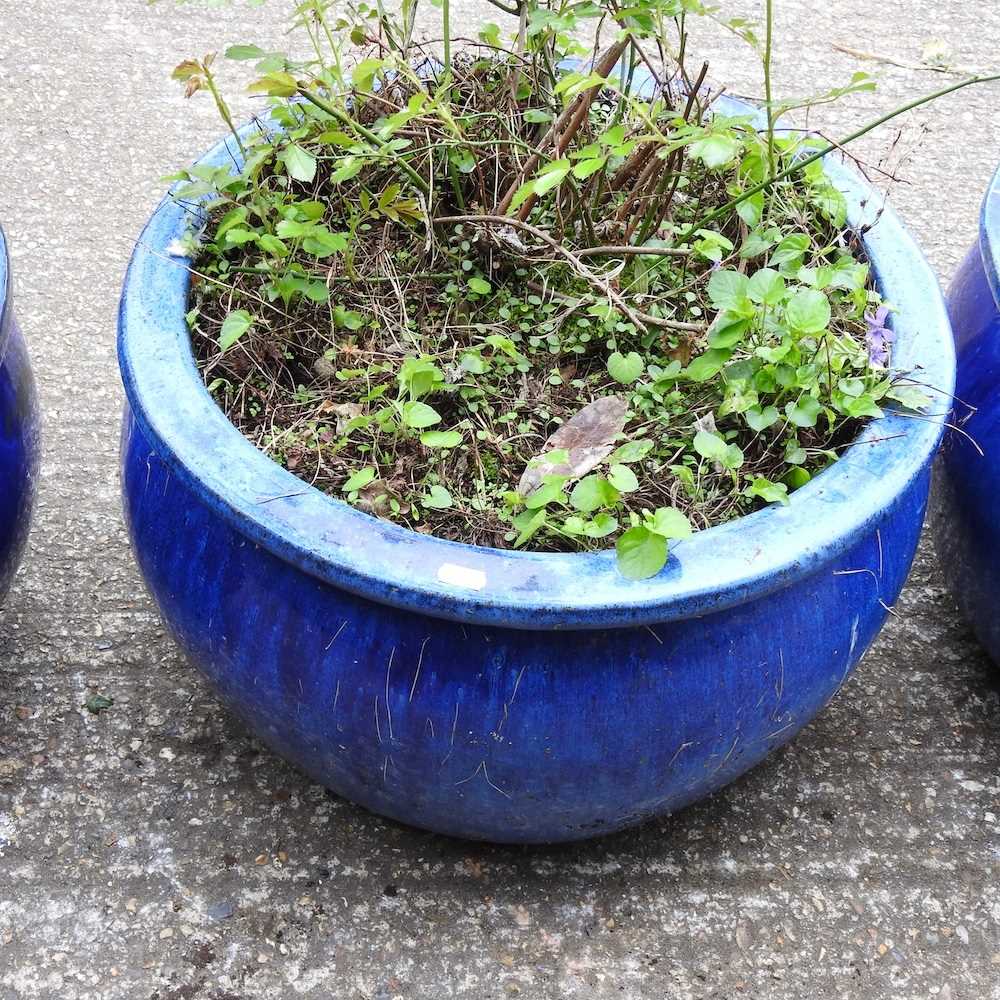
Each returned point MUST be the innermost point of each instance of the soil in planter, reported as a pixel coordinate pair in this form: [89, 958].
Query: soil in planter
[420, 371]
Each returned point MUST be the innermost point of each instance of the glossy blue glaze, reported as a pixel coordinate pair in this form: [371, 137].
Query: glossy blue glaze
[18, 432]
[967, 518]
[511, 696]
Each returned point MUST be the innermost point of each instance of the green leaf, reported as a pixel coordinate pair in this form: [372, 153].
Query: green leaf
[587, 167]
[715, 150]
[523, 193]
[237, 237]
[715, 449]
[669, 522]
[474, 363]
[299, 163]
[480, 286]
[710, 446]
[441, 439]
[527, 524]
[551, 176]
[641, 553]
[348, 319]
[322, 243]
[808, 311]
[359, 480]
[623, 479]
[728, 290]
[804, 412]
[550, 490]
[350, 167]
[240, 52]
[275, 85]
[768, 491]
[232, 218]
[234, 326]
[437, 498]
[592, 492]
[601, 526]
[418, 415]
[707, 365]
[796, 477]
[910, 397]
[631, 451]
[766, 286]
[789, 252]
[272, 245]
[863, 406]
[363, 75]
[751, 209]
[625, 368]
[727, 330]
[760, 419]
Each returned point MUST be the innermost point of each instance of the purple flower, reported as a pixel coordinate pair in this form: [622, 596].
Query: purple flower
[879, 336]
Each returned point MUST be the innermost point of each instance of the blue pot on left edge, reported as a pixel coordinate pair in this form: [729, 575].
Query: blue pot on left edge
[18, 433]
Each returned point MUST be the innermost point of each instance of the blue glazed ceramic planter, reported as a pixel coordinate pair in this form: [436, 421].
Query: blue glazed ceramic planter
[967, 516]
[510, 696]
[18, 432]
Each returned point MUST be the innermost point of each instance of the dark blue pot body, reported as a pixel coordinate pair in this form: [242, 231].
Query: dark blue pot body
[967, 516]
[18, 433]
[510, 696]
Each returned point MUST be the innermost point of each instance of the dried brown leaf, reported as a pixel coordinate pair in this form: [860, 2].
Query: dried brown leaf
[346, 412]
[588, 437]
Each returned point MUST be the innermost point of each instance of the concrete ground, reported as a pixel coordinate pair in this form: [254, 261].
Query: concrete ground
[158, 851]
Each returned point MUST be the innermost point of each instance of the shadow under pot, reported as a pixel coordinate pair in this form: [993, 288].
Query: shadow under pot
[18, 432]
[966, 516]
[499, 695]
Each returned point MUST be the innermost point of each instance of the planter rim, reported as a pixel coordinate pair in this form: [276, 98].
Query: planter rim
[5, 297]
[716, 569]
[989, 235]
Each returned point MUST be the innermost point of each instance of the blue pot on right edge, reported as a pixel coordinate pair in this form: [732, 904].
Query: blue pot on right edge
[967, 511]
[18, 433]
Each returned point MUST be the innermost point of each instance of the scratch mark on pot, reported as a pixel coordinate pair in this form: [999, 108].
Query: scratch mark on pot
[678, 752]
[517, 684]
[878, 538]
[388, 710]
[336, 697]
[854, 572]
[429, 723]
[378, 728]
[779, 689]
[343, 625]
[850, 650]
[420, 660]
[486, 774]
[451, 745]
[280, 496]
[892, 611]
[729, 753]
[778, 732]
[499, 728]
